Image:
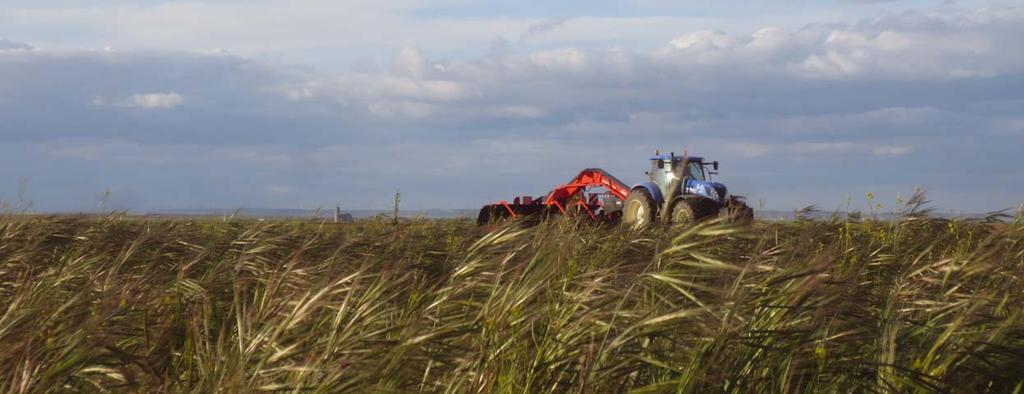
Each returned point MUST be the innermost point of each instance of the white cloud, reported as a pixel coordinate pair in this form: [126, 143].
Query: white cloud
[768, 38]
[155, 100]
[144, 100]
[887, 150]
[834, 64]
[410, 62]
[370, 87]
[704, 40]
[570, 59]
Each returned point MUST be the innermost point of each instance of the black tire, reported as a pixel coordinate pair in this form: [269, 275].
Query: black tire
[484, 216]
[491, 214]
[639, 210]
[683, 212]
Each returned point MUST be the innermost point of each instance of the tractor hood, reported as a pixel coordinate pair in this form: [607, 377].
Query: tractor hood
[713, 190]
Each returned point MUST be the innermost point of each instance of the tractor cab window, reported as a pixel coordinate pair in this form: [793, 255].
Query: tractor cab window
[695, 170]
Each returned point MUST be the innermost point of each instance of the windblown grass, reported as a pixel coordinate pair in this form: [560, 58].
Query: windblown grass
[122, 304]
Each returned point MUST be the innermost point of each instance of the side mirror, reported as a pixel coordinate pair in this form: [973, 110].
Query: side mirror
[714, 164]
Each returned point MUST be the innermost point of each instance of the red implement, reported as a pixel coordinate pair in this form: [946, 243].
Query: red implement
[568, 196]
[591, 177]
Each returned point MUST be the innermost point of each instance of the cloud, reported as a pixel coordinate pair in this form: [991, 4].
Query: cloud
[886, 150]
[796, 116]
[544, 26]
[124, 152]
[216, 99]
[286, 26]
[804, 149]
[867, 78]
[155, 100]
[7, 45]
[703, 40]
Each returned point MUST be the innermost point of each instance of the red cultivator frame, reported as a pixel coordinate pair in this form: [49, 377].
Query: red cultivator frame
[571, 197]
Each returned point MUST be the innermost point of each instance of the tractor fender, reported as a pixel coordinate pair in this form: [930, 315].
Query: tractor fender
[653, 190]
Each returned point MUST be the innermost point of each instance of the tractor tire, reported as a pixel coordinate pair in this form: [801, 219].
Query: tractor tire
[639, 209]
[683, 212]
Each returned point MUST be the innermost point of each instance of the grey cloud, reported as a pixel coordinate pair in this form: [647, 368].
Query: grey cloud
[873, 58]
[203, 99]
[544, 26]
[879, 104]
[7, 45]
[797, 117]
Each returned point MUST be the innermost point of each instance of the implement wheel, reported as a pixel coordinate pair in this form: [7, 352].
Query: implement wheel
[638, 210]
[492, 214]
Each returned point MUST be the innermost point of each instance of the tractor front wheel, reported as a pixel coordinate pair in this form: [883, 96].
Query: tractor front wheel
[683, 212]
[638, 210]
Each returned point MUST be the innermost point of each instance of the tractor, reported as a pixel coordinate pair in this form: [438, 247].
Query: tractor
[678, 190]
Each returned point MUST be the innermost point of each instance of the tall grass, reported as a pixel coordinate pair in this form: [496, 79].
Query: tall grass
[918, 304]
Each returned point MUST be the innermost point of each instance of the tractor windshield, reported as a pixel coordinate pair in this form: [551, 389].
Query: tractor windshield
[695, 170]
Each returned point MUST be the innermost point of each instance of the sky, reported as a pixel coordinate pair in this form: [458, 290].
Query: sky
[155, 105]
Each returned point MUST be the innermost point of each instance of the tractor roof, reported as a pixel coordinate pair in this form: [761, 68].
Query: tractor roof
[678, 157]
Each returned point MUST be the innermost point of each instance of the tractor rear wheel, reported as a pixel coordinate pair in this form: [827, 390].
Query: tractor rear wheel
[638, 210]
[683, 212]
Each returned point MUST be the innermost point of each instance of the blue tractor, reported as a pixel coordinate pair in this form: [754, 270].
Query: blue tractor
[679, 187]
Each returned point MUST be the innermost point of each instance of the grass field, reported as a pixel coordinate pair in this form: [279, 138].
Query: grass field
[850, 304]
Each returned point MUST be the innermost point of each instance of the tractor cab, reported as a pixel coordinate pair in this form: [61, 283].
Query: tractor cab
[666, 167]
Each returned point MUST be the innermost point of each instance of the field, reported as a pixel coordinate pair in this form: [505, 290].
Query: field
[115, 303]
